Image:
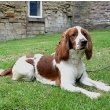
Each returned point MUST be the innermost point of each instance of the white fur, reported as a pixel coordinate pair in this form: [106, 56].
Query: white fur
[79, 37]
[70, 70]
[22, 70]
[38, 76]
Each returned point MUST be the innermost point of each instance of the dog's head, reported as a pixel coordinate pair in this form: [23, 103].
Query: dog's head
[76, 38]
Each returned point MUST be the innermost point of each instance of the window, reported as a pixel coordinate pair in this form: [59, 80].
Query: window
[35, 9]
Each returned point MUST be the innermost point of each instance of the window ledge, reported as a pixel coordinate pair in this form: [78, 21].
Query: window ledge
[30, 19]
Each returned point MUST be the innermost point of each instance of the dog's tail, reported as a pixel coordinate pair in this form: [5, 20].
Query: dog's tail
[6, 72]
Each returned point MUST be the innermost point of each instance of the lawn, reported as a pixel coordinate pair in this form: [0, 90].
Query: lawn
[21, 95]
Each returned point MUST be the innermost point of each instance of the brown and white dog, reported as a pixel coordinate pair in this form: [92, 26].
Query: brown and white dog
[63, 68]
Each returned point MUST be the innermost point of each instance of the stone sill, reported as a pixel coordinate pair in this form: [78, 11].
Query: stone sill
[39, 20]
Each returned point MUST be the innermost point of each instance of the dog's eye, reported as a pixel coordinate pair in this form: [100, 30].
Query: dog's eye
[85, 34]
[73, 34]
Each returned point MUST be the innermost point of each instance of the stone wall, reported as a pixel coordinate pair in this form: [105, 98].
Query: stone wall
[57, 17]
[12, 20]
[92, 14]
[15, 24]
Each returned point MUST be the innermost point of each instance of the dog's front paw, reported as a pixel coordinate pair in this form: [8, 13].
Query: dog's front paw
[106, 88]
[93, 95]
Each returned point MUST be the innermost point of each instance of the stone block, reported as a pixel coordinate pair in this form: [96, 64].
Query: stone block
[10, 37]
[38, 24]
[2, 26]
[29, 32]
[18, 37]
[17, 25]
[29, 24]
[23, 36]
[28, 28]
[9, 26]
[35, 32]
[33, 28]
[17, 9]
[41, 32]
[3, 32]
[13, 20]
[2, 37]
[38, 28]
[4, 20]
[42, 28]
[21, 31]
[1, 15]
[9, 14]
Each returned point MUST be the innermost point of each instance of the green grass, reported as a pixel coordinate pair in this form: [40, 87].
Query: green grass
[36, 96]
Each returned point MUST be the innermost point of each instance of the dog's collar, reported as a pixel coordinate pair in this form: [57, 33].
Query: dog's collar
[78, 79]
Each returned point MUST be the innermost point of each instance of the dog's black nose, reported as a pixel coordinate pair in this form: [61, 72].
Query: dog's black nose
[83, 42]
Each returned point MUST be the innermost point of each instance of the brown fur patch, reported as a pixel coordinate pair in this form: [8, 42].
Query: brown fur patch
[6, 72]
[73, 33]
[88, 51]
[30, 61]
[67, 42]
[47, 70]
[62, 50]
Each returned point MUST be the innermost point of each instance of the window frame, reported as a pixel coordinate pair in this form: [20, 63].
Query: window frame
[40, 10]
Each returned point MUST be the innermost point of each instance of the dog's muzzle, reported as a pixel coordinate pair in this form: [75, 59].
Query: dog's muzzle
[83, 44]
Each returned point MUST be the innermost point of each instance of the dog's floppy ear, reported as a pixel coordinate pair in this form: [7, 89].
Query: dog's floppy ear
[62, 49]
[88, 51]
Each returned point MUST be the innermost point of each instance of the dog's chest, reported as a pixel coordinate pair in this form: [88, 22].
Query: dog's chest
[77, 68]
[71, 70]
